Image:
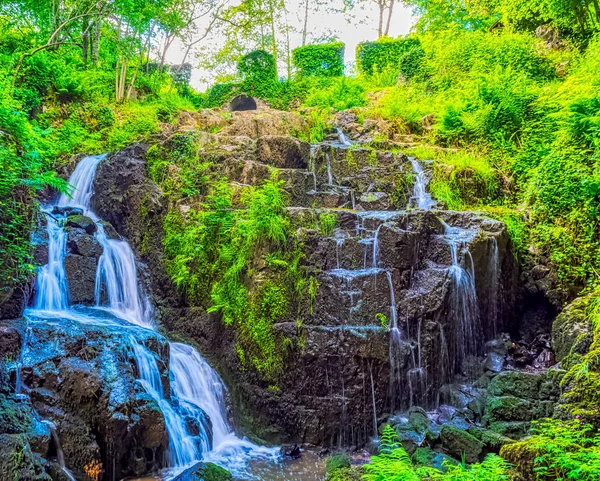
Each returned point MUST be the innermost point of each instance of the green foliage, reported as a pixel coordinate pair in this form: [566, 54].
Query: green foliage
[220, 94]
[558, 449]
[340, 94]
[175, 167]
[259, 71]
[320, 60]
[212, 254]
[394, 464]
[383, 54]
[327, 223]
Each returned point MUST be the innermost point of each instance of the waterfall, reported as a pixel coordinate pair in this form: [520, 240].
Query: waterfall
[195, 385]
[494, 276]
[343, 139]
[464, 308]
[182, 448]
[60, 455]
[421, 197]
[329, 175]
[117, 275]
[52, 289]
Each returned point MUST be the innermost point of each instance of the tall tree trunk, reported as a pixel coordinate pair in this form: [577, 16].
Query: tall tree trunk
[305, 28]
[85, 40]
[95, 47]
[389, 19]
[274, 39]
[381, 4]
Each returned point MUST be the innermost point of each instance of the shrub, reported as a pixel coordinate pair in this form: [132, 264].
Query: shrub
[259, 71]
[321, 60]
[382, 54]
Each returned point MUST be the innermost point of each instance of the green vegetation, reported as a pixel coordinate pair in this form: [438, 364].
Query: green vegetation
[394, 464]
[323, 60]
[215, 253]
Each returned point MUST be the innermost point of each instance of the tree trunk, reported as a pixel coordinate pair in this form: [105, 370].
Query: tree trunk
[95, 47]
[305, 28]
[85, 40]
[381, 4]
[389, 19]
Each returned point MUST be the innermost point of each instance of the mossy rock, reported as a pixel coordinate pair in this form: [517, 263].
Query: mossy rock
[336, 462]
[204, 472]
[572, 331]
[508, 408]
[345, 474]
[18, 462]
[521, 455]
[457, 443]
[490, 438]
[511, 429]
[516, 383]
[82, 222]
[434, 459]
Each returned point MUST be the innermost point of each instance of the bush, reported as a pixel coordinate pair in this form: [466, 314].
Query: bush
[382, 54]
[322, 60]
[259, 71]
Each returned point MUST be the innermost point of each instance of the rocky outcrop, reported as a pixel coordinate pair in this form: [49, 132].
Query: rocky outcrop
[340, 375]
[81, 380]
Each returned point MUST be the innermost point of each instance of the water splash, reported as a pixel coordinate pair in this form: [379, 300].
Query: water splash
[343, 138]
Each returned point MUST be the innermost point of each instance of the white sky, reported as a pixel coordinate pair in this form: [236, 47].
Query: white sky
[320, 24]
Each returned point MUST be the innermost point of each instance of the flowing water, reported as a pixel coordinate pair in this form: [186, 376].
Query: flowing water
[196, 387]
[421, 197]
[464, 308]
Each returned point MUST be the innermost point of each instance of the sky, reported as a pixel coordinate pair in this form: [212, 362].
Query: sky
[320, 24]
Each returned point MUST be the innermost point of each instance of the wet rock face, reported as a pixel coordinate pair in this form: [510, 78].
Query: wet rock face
[82, 378]
[341, 381]
[285, 152]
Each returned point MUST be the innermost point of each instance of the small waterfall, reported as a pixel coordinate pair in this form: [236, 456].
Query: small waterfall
[421, 197]
[60, 455]
[182, 447]
[52, 289]
[82, 179]
[494, 276]
[464, 308]
[117, 276]
[376, 246]
[375, 427]
[343, 139]
[329, 174]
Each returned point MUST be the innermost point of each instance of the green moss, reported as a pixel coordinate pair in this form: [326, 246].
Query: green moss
[339, 461]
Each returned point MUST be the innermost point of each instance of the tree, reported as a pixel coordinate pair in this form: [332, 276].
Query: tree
[385, 10]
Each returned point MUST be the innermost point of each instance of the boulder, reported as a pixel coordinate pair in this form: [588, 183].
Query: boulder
[81, 274]
[82, 222]
[516, 383]
[283, 152]
[572, 330]
[204, 472]
[81, 243]
[460, 443]
[429, 457]
[508, 408]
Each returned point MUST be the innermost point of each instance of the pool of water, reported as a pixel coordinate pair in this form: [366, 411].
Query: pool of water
[309, 467]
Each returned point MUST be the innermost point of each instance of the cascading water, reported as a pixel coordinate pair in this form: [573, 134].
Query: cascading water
[421, 197]
[343, 139]
[197, 388]
[463, 298]
[52, 289]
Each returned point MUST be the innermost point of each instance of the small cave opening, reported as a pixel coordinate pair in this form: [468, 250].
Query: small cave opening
[242, 103]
